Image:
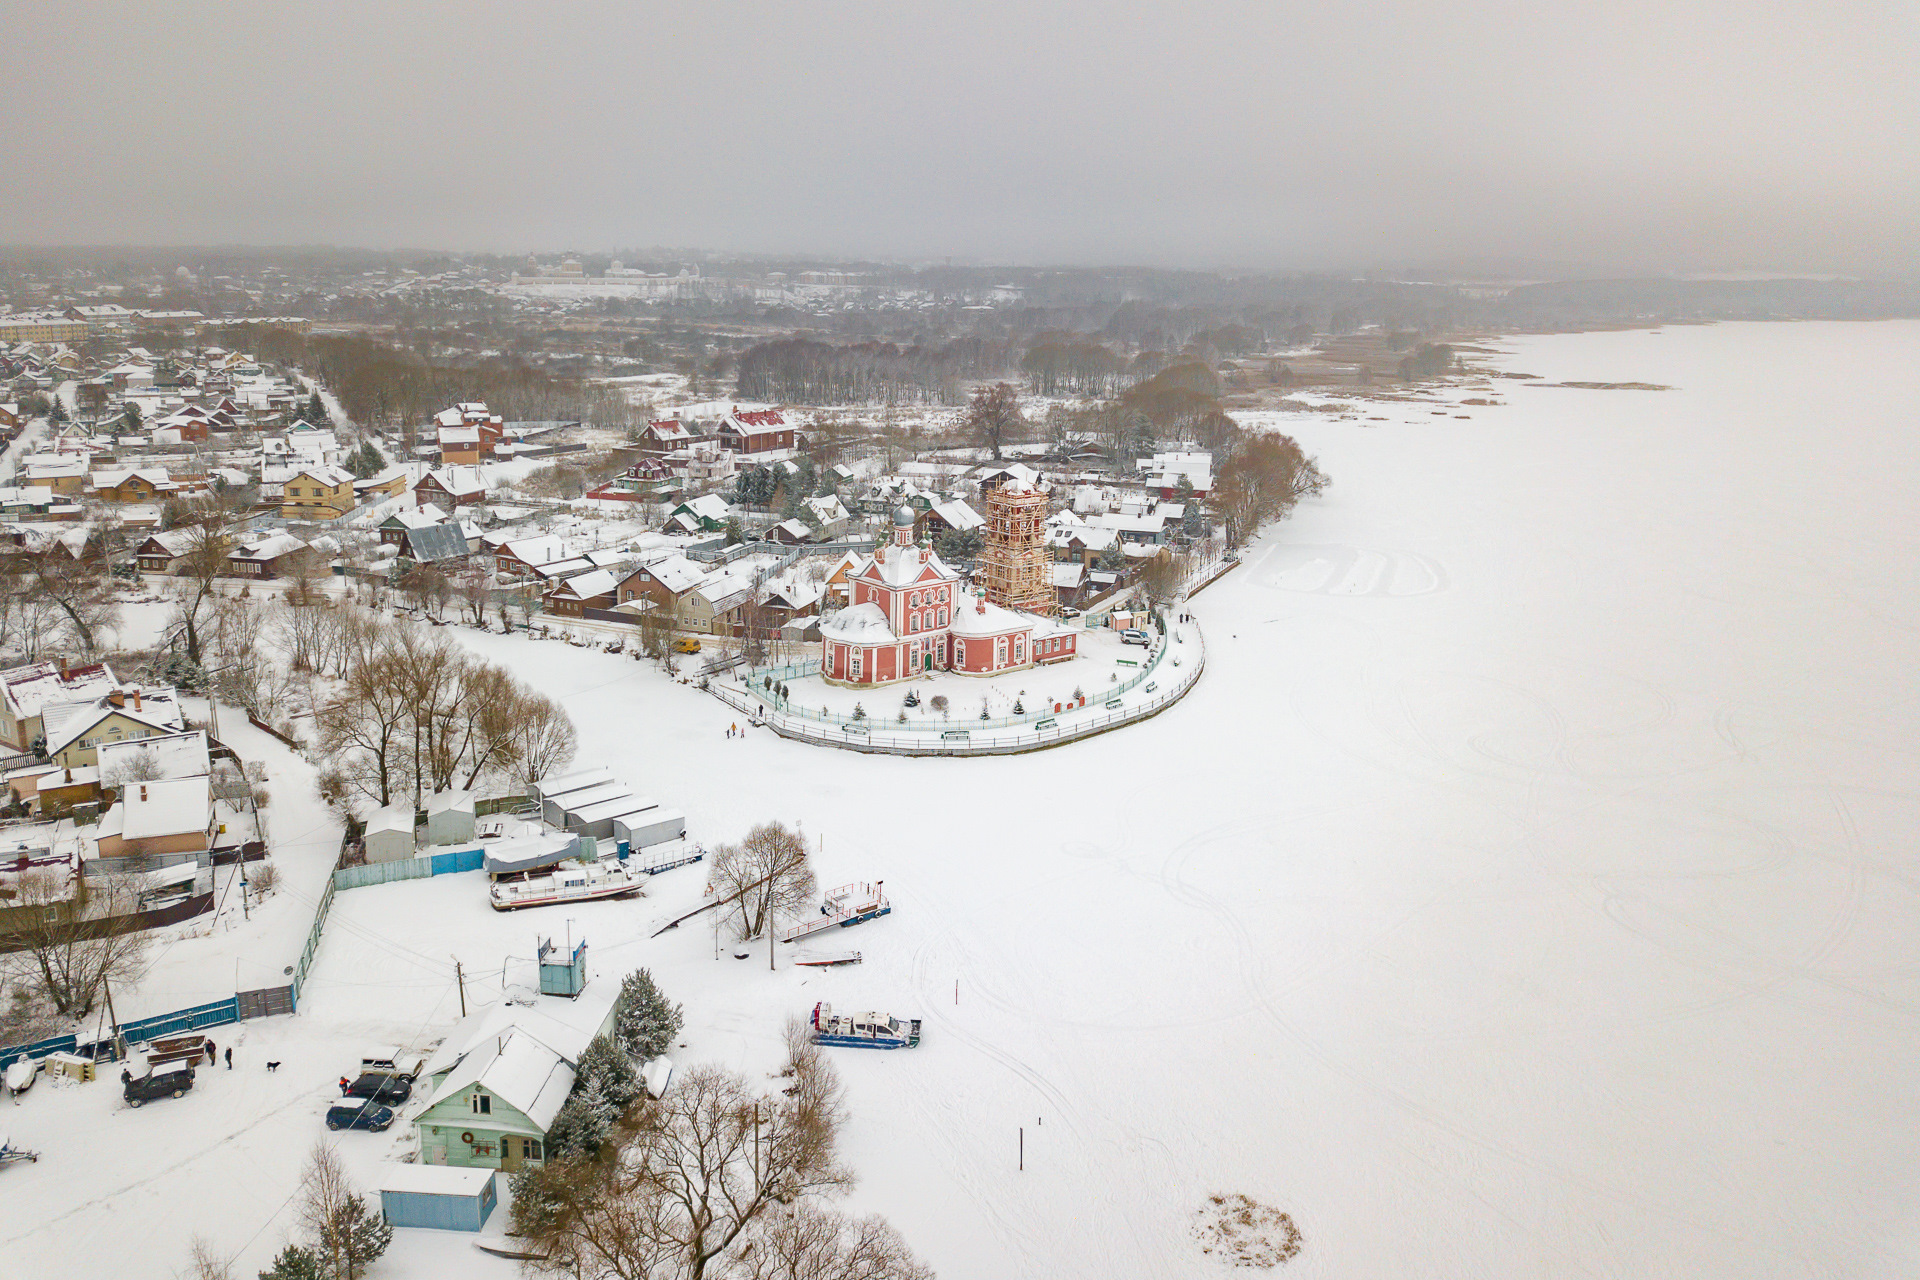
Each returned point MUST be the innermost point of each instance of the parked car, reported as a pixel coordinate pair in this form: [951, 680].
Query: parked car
[366, 1115]
[1133, 635]
[379, 1087]
[394, 1062]
[138, 1090]
[686, 644]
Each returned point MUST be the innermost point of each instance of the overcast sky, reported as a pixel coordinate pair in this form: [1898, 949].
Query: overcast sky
[1712, 135]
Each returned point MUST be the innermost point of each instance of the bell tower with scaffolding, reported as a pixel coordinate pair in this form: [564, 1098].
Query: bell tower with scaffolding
[1015, 568]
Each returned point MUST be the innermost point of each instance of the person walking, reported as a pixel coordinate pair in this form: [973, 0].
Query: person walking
[344, 1082]
[210, 1053]
[229, 1057]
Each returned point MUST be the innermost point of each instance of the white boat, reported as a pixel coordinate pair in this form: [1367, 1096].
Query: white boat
[20, 1075]
[569, 881]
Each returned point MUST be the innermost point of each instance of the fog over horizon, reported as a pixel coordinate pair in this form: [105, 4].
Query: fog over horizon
[1702, 137]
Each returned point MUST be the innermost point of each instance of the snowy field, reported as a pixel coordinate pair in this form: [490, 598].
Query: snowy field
[1527, 888]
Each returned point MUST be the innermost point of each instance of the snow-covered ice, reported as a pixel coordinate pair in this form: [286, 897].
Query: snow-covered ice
[1523, 891]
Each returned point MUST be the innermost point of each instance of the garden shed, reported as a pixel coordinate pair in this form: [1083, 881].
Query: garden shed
[389, 833]
[450, 817]
[444, 1197]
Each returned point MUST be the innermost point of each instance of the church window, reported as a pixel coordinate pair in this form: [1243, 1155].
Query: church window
[913, 623]
[943, 614]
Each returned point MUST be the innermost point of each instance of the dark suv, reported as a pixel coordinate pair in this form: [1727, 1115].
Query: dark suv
[165, 1084]
[380, 1088]
[368, 1115]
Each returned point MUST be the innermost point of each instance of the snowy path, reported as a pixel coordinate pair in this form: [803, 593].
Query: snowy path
[1526, 890]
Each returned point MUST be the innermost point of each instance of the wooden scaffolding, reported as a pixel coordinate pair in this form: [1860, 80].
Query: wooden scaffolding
[1015, 569]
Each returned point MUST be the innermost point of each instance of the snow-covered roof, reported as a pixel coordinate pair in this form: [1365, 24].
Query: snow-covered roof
[268, 548]
[984, 618]
[332, 477]
[861, 624]
[457, 481]
[539, 551]
[34, 686]
[677, 573]
[167, 807]
[434, 1179]
[958, 514]
[1067, 575]
[67, 722]
[174, 755]
[518, 1069]
[584, 586]
[392, 818]
[908, 566]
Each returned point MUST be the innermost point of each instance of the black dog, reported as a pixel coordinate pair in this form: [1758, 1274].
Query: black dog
[273, 1066]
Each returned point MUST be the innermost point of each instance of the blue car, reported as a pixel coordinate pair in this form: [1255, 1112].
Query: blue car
[359, 1116]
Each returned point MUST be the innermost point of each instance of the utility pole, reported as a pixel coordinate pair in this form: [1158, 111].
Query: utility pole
[119, 1040]
[459, 976]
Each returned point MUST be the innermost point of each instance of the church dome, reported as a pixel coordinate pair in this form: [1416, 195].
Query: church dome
[903, 514]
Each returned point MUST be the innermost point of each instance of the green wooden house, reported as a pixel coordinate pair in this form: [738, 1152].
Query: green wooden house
[501, 1077]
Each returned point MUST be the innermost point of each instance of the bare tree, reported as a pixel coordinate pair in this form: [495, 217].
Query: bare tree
[347, 1236]
[1163, 576]
[204, 1262]
[69, 939]
[993, 417]
[544, 737]
[209, 538]
[809, 1242]
[77, 587]
[685, 1179]
[765, 873]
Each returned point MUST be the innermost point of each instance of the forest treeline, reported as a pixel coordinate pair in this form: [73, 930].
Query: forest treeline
[380, 385]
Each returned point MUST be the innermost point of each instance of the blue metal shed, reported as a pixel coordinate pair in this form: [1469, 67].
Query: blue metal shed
[440, 1196]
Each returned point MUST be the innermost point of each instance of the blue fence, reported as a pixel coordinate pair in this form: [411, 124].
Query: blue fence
[172, 1024]
[439, 864]
[163, 1024]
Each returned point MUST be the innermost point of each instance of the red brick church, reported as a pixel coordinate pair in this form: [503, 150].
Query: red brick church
[908, 613]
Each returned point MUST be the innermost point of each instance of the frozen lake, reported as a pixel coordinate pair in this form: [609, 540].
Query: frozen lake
[1528, 889]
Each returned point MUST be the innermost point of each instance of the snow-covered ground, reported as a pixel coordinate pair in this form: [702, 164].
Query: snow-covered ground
[1522, 891]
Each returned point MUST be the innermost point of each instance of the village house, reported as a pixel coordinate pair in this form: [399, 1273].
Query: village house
[951, 515]
[1164, 471]
[718, 604]
[571, 597]
[467, 434]
[663, 583]
[829, 516]
[64, 473]
[159, 817]
[10, 416]
[789, 533]
[74, 730]
[143, 485]
[499, 1080]
[390, 483]
[31, 689]
[317, 493]
[761, 432]
[708, 514]
[450, 487]
[524, 557]
[163, 552]
[264, 558]
[664, 436]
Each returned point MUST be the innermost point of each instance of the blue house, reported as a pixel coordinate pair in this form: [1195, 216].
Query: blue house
[444, 1197]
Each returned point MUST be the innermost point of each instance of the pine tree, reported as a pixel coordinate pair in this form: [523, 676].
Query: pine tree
[317, 411]
[611, 1070]
[354, 1238]
[295, 1263]
[647, 1021]
[583, 1125]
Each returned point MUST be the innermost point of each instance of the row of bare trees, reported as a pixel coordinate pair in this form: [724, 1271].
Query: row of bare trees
[718, 1180]
[416, 713]
[1261, 480]
[807, 371]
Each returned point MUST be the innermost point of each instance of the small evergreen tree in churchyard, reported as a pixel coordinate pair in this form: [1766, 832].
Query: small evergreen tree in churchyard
[295, 1263]
[647, 1021]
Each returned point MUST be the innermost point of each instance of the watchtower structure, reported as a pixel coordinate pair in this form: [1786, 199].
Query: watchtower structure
[1015, 568]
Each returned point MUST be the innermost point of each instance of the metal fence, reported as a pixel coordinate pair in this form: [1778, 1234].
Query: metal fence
[437, 864]
[960, 738]
[770, 704]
